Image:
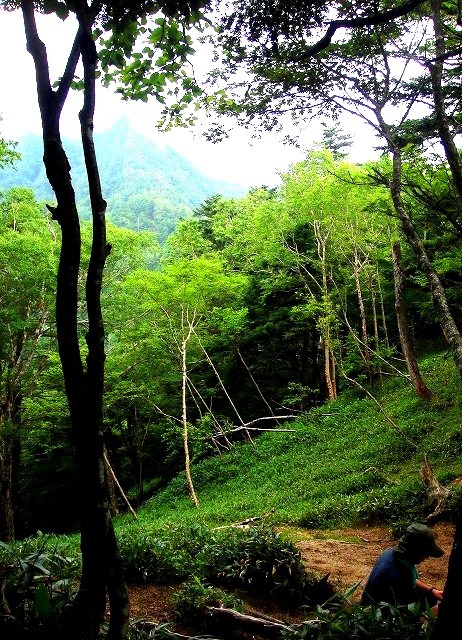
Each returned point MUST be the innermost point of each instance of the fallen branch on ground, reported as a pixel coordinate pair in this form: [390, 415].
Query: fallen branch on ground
[265, 626]
[246, 522]
[247, 425]
[161, 630]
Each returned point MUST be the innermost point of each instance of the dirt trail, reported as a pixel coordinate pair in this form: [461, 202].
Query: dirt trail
[346, 554]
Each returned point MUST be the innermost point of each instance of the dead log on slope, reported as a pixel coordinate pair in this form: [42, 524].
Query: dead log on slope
[437, 493]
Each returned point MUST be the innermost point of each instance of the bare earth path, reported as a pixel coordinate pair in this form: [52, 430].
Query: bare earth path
[347, 555]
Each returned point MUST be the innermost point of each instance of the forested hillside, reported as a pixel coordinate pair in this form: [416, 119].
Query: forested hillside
[147, 186]
[259, 309]
[144, 357]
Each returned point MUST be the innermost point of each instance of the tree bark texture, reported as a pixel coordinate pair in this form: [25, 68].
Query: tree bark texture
[9, 462]
[407, 347]
[329, 370]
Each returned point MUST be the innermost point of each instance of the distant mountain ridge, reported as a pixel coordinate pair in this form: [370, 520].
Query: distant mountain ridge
[147, 186]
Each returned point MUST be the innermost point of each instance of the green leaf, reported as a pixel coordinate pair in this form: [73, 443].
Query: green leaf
[59, 8]
[42, 601]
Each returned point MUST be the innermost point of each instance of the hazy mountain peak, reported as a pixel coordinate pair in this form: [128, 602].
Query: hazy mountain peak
[146, 185]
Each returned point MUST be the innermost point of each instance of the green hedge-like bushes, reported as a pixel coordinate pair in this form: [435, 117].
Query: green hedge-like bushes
[257, 559]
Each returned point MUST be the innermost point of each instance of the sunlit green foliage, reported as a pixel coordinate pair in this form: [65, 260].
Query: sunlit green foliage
[342, 465]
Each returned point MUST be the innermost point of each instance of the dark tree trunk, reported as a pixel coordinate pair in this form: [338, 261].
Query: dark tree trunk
[10, 445]
[104, 567]
[101, 564]
[447, 625]
[442, 122]
[407, 346]
[316, 370]
[9, 462]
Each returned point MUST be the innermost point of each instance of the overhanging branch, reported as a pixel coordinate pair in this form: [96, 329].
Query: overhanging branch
[368, 21]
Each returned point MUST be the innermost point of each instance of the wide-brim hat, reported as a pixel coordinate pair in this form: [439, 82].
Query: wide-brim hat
[418, 539]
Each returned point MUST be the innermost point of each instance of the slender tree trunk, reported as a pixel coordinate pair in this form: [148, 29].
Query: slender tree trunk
[436, 75]
[362, 315]
[407, 347]
[329, 370]
[382, 312]
[101, 564]
[329, 361]
[109, 477]
[316, 375]
[255, 383]
[375, 323]
[443, 312]
[184, 417]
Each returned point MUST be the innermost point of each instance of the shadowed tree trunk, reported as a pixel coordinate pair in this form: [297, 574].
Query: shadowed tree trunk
[101, 563]
[407, 347]
[448, 620]
[9, 466]
[447, 625]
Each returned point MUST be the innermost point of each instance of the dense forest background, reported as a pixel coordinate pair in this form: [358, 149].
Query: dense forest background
[253, 310]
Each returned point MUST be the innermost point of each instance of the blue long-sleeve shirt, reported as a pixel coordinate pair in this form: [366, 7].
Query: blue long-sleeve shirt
[392, 580]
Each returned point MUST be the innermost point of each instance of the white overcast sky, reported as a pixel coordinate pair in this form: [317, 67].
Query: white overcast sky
[240, 159]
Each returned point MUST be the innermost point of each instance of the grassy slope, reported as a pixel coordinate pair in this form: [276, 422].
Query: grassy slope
[344, 463]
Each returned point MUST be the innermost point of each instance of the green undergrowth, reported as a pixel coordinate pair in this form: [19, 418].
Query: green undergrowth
[351, 462]
[345, 463]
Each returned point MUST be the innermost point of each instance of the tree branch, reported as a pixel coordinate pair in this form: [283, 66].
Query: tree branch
[368, 21]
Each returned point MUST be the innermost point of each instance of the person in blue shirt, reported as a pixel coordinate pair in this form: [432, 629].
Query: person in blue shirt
[394, 578]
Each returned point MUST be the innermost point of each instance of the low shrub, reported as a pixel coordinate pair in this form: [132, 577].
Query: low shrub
[149, 557]
[191, 601]
[259, 560]
[454, 505]
[394, 504]
[339, 619]
[38, 582]
[389, 504]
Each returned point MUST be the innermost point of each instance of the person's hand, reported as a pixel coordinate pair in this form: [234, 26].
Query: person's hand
[437, 593]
